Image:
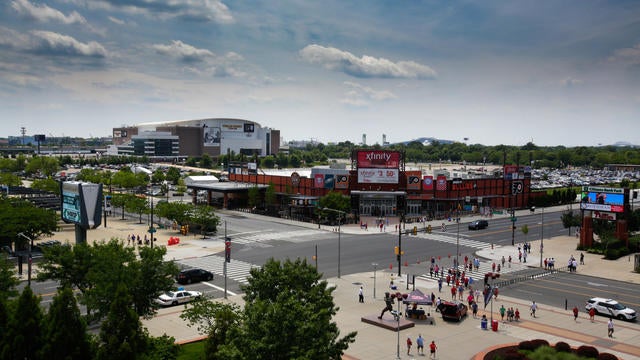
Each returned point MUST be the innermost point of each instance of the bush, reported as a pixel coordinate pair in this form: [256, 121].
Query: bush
[526, 345]
[562, 346]
[587, 351]
[607, 356]
[539, 342]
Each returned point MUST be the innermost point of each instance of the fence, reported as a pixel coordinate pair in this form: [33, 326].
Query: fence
[528, 275]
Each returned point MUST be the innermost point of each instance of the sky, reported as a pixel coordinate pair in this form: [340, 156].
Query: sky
[492, 72]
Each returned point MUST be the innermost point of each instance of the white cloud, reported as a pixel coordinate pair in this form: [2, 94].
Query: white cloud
[58, 44]
[359, 95]
[44, 13]
[627, 56]
[115, 20]
[198, 10]
[183, 52]
[365, 66]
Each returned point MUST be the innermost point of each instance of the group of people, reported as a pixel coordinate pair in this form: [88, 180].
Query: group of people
[420, 346]
[134, 239]
[549, 263]
[512, 315]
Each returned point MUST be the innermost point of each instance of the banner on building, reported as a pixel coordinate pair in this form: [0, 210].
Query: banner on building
[342, 182]
[413, 182]
[329, 181]
[378, 176]
[441, 183]
[427, 183]
[318, 181]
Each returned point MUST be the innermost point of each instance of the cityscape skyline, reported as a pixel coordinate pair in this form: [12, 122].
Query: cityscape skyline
[551, 73]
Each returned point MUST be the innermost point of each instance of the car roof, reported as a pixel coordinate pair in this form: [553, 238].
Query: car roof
[610, 301]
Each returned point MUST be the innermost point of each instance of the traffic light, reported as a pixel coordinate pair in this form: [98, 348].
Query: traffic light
[396, 250]
[415, 230]
[227, 250]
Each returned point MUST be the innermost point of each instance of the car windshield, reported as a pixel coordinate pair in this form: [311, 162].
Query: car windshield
[170, 293]
[450, 309]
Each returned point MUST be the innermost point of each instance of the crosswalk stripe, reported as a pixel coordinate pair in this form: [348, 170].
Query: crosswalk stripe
[236, 270]
[453, 239]
[259, 238]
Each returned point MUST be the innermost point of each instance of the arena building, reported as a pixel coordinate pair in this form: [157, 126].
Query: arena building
[183, 138]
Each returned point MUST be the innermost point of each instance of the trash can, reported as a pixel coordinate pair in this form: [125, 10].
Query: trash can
[494, 325]
[483, 324]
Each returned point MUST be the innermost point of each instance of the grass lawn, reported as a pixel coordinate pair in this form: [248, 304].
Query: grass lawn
[192, 351]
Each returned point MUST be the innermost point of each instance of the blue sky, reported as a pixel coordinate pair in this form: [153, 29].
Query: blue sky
[496, 72]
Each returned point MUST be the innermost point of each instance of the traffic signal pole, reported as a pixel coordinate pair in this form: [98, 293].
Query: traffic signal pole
[224, 270]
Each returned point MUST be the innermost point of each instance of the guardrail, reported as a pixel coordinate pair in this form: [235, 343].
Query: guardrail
[529, 275]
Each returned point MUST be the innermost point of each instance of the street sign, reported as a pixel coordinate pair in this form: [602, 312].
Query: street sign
[514, 219]
[152, 230]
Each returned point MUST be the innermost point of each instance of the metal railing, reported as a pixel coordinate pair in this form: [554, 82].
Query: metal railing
[529, 275]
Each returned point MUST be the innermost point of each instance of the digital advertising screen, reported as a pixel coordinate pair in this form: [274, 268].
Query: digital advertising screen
[602, 199]
[378, 159]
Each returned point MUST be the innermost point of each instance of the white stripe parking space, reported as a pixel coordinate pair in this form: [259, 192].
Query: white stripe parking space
[236, 270]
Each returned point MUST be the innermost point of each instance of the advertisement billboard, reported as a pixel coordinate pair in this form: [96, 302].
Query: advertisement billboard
[427, 183]
[378, 176]
[378, 159]
[413, 182]
[342, 181]
[211, 136]
[602, 199]
[81, 203]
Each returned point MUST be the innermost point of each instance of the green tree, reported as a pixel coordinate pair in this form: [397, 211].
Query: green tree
[8, 279]
[65, 331]
[20, 216]
[158, 177]
[24, 329]
[206, 161]
[336, 201]
[217, 320]
[570, 219]
[525, 230]
[121, 334]
[10, 179]
[253, 196]
[47, 184]
[173, 175]
[137, 205]
[205, 218]
[288, 314]
[175, 211]
[45, 165]
[150, 277]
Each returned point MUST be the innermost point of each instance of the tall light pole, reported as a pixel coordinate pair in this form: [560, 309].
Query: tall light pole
[541, 234]
[375, 266]
[340, 213]
[30, 241]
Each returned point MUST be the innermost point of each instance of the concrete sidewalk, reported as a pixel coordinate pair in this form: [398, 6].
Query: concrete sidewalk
[455, 340]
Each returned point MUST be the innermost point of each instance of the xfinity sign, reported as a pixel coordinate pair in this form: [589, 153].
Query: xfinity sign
[378, 159]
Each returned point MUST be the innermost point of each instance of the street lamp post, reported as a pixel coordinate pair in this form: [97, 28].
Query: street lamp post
[340, 213]
[375, 266]
[541, 234]
[30, 241]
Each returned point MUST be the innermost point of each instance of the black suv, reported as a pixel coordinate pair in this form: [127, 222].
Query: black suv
[478, 224]
[193, 275]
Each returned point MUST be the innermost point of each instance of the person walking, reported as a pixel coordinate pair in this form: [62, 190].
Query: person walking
[592, 314]
[534, 307]
[361, 295]
[420, 344]
[409, 343]
[502, 312]
[432, 349]
[610, 328]
[575, 313]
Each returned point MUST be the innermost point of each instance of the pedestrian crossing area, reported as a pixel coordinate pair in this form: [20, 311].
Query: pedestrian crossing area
[236, 270]
[462, 239]
[262, 238]
[486, 266]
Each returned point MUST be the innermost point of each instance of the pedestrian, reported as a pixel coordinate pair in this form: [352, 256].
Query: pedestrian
[503, 310]
[361, 295]
[592, 314]
[575, 313]
[581, 259]
[420, 344]
[453, 292]
[517, 314]
[440, 284]
[474, 309]
[534, 307]
[509, 261]
[610, 328]
[432, 349]
[409, 343]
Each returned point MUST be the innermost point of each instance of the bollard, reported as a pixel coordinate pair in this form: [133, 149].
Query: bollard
[565, 304]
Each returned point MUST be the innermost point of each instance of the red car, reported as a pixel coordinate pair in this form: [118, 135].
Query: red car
[452, 310]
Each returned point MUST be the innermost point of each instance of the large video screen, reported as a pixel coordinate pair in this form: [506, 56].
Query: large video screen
[602, 199]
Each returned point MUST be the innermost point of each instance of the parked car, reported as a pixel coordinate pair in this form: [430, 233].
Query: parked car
[452, 310]
[177, 297]
[478, 224]
[193, 275]
[611, 308]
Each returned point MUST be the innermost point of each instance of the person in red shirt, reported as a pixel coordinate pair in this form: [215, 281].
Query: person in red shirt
[453, 292]
[432, 349]
[592, 314]
[575, 313]
[409, 343]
